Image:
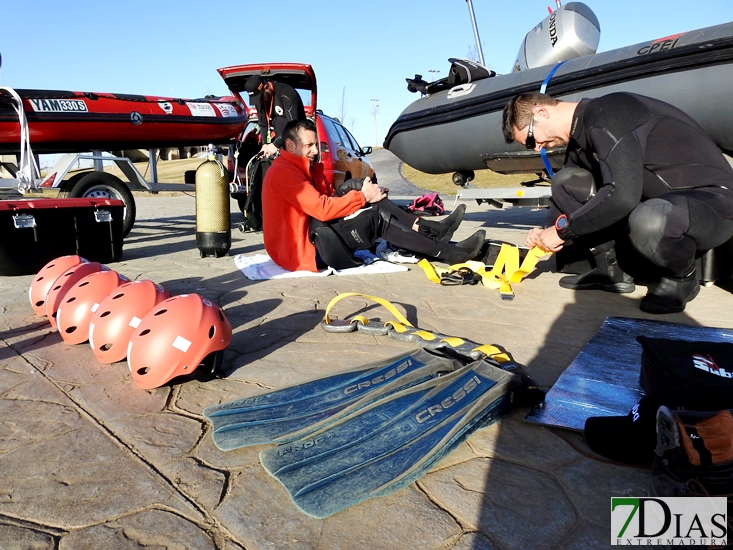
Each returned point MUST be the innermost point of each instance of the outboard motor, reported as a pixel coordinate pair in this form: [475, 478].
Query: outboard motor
[570, 31]
[213, 233]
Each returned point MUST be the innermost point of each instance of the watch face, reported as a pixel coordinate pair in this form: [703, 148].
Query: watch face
[561, 222]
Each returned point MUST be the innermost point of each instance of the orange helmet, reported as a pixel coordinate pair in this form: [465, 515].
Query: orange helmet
[119, 315]
[46, 277]
[66, 282]
[82, 300]
[175, 337]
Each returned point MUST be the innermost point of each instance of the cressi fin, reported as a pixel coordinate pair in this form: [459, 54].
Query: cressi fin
[293, 412]
[391, 442]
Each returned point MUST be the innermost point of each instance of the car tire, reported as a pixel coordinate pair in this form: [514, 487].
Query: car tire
[99, 185]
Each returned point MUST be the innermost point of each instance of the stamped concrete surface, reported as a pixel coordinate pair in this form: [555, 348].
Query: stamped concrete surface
[88, 460]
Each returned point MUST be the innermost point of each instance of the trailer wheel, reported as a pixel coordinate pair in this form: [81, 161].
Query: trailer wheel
[99, 185]
[462, 178]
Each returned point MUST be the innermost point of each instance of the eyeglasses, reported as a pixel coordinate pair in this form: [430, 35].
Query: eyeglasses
[530, 142]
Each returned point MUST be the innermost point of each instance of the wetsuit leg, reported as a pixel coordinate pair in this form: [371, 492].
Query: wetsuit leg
[382, 220]
[387, 220]
[673, 229]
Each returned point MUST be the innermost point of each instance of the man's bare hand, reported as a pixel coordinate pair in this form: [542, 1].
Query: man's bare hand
[532, 237]
[268, 149]
[372, 192]
[547, 239]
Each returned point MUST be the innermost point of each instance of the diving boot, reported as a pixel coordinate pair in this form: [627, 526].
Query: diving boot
[443, 230]
[457, 253]
[607, 275]
[671, 294]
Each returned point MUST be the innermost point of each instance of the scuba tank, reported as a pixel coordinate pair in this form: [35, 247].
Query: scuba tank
[213, 234]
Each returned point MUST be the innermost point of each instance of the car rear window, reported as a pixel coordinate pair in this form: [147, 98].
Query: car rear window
[332, 132]
[345, 141]
[354, 143]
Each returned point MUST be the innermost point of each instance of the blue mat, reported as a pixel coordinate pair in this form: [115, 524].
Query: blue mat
[603, 379]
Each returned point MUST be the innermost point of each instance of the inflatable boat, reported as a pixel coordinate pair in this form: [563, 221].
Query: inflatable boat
[68, 122]
[456, 126]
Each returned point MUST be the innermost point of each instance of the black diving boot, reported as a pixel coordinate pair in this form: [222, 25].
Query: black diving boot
[671, 294]
[443, 230]
[457, 253]
[607, 275]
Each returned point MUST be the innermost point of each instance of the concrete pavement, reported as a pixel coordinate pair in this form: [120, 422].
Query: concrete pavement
[88, 460]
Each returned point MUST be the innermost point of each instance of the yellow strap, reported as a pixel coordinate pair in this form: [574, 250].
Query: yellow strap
[431, 272]
[506, 269]
[402, 325]
[393, 310]
[454, 342]
[528, 265]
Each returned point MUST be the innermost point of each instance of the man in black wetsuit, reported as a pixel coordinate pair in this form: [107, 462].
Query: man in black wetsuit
[277, 104]
[634, 166]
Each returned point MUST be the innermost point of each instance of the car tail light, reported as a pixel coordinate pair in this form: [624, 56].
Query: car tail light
[325, 152]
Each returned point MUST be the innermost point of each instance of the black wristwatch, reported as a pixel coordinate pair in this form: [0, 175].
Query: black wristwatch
[561, 226]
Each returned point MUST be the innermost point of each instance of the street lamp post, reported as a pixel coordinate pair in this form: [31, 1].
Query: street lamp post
[375, 112]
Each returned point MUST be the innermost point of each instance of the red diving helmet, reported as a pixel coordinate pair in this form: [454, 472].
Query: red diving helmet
[119, 315]
[175, 337]
[45, 278]
[82, 300]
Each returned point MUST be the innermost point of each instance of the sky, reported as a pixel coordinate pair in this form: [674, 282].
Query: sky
[361, 51]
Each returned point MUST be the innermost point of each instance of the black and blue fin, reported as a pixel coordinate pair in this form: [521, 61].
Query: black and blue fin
[282, 415]
[389, 443]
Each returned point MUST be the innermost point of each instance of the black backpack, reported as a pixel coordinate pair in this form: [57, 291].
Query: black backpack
[465, 71]
[250, 203]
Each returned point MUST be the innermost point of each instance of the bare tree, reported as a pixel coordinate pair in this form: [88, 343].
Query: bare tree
[342, 105]
[348, 122]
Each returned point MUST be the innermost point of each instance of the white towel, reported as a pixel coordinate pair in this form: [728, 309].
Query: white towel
[260, 267]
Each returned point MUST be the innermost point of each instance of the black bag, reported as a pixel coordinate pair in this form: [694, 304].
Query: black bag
[704, 366]
[250, 203]
[465, 71]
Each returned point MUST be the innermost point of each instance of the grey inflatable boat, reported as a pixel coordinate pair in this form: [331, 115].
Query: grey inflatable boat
[456, 125]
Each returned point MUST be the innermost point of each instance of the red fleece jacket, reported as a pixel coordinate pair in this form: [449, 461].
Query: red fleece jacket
[294, 191]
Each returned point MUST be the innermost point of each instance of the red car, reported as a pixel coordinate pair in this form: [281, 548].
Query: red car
[340, 153]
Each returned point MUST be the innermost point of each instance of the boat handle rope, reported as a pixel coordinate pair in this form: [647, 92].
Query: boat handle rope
[505, 271]
[27, 168]
[543, 87]
[401, 329]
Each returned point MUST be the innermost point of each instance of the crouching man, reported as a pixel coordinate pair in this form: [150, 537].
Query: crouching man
[634, 167]
[302, 213]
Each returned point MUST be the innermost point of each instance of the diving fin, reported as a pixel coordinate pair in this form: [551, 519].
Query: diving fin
[391, 442]
[292, 413]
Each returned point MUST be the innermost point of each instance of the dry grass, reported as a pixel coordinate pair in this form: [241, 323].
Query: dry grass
[172, 171]
[169, 171]
[443, 184]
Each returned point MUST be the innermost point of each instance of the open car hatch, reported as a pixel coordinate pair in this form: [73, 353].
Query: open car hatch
[298, 75]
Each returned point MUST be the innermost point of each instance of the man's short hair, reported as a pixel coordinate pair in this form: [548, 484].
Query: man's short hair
[518, 111]
[293, 128]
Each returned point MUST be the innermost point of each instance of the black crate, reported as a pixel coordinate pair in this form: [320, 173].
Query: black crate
[33, 232]
[99, 230]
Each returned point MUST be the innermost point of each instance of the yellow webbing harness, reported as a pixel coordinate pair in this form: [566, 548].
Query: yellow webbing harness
[400, 328]
[506, 269]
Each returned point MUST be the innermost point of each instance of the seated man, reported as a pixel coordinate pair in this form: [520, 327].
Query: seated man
[634, 166]
[302, 213]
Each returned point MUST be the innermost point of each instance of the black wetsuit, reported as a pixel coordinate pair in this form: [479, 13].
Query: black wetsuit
[286, 106]
[655, 175]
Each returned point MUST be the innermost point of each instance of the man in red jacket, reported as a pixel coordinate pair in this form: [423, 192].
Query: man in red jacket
[302, 212]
